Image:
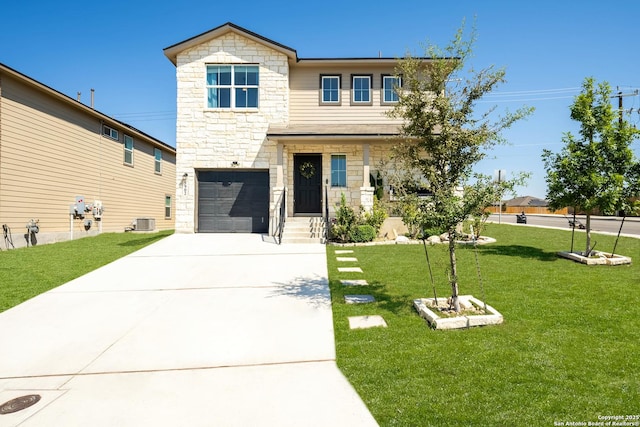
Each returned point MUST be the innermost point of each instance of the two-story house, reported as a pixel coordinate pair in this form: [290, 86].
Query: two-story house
[262, 133]
[75, 170]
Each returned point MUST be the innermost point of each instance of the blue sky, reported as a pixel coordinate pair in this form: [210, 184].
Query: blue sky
[547, 48]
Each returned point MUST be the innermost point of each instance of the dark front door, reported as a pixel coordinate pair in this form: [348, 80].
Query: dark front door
[307, 173]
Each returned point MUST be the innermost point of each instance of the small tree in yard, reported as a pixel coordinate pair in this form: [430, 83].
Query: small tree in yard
[597, 170]
[443, 137]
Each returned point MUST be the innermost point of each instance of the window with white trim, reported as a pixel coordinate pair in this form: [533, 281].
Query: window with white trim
[330, 89]
[167, 207]
[338, 170]
[128, 150]
[110, 132]
[157, 154]
[390, 86]
[361, 89]
[232, 86]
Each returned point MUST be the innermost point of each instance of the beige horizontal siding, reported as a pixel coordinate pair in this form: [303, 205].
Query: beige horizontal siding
[50, 152]
[305, 97]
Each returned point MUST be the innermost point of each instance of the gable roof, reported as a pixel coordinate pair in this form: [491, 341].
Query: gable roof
[172, 52]
[61, 97]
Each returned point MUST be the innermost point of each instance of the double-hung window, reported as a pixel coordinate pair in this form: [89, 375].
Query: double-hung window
[157, 153]
[361, 89]
[232, 86]
[390, 86]
[167, 207]
[330, 89]
[338, 170]
[128, 150]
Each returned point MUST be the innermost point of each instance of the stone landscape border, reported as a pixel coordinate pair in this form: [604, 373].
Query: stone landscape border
[599, 258]
[458, 322]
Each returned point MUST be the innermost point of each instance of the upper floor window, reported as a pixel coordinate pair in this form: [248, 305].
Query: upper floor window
[361, 89]
[232, 86]
[110, 132]
[157, 153]
[330, 89]
[128, 150]
[390, 86]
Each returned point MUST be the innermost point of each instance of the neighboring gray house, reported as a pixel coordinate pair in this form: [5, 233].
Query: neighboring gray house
[261, 131]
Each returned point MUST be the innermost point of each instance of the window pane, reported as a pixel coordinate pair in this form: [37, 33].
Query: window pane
[212, 76]
[225, 76]
[252, 76]
[219, 98]
[240, 75]
[252, 97]
[128, 157]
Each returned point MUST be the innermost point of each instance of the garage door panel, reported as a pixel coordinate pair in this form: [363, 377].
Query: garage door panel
[233, 201]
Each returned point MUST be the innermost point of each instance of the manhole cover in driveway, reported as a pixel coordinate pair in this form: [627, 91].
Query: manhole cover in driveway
[19, 403]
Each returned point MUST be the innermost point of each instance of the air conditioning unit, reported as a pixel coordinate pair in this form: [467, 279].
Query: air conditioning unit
[145, 224]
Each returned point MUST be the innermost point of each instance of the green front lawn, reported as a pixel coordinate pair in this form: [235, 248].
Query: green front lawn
[27, 272]
[567, 351]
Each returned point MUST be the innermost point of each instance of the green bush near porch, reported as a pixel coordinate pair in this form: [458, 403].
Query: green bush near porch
[567, 350]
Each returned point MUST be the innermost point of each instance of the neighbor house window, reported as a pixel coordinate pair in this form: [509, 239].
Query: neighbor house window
[338, 170]
[110, 132]
[361, 89]
[330, 89]
[390, 85]
[232, 86]
[167, 207]
[128, 150]
[157, 153]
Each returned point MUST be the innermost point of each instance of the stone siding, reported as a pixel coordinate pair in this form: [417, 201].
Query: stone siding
[214, 139]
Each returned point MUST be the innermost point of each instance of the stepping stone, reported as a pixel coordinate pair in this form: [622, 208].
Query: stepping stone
[346, 259]
[358, 299]
[349, 269]
[344, 251]
[365, 322]
[356, 282]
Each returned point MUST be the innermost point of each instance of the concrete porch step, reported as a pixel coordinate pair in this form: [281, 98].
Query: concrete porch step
[304, 230]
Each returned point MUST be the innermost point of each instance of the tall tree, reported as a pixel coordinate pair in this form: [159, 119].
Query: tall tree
[443, 136]
[595, 171]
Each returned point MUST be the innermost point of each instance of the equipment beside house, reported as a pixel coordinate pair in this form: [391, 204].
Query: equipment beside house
[142, 224]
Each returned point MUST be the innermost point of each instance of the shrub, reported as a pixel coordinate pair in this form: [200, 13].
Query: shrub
[363, 233]
[345, 222]
[376, 217]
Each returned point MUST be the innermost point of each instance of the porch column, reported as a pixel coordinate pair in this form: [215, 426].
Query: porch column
[279, 165]
[366, 191]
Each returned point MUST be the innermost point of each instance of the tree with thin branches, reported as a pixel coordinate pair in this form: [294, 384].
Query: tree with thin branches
[444, 136]
[596, 171]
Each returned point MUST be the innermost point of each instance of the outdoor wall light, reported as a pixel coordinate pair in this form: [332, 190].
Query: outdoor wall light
[234, 163]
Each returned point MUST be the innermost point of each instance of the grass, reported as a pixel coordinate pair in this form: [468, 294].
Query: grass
[27, 272]
[567, 350]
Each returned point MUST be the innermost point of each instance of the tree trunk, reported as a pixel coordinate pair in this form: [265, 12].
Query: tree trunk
[588, 230]
[454, 271]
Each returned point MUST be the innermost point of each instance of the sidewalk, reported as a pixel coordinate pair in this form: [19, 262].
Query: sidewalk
[195, 330]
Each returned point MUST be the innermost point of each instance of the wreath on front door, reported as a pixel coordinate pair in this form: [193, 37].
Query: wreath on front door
[307, 169]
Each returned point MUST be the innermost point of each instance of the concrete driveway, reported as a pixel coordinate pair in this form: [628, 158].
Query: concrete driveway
[195, 330]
